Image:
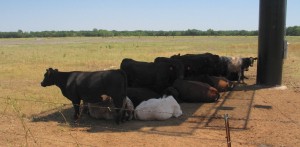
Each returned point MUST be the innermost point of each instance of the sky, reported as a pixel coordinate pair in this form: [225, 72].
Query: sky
[121, 15]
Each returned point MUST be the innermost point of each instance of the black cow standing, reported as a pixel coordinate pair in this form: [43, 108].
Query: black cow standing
[156, 76]
[89, 86]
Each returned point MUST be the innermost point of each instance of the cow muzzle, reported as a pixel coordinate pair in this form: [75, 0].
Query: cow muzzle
[43, 84]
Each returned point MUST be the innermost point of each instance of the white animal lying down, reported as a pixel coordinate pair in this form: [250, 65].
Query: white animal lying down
[158, 109]
[106, 109]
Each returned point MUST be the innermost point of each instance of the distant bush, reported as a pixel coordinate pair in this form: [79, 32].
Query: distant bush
[293, 31]
[290, 31]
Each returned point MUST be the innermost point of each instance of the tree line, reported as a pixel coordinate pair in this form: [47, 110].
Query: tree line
[290, 31]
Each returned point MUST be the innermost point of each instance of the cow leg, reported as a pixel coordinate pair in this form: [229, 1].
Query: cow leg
[76, 105]
[231, 85]
[85, 108]
[120, 103]
[125, 112]
[122, 113]
[239, 76]
[242, 76]
[128, 111]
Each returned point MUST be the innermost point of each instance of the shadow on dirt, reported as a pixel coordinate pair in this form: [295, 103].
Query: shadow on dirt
[245, 87]
[63, 116]
[237, 103]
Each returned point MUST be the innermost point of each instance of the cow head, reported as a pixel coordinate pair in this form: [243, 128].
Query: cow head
[178, 68]
[49, 77]
[252, 60]
[247, 62]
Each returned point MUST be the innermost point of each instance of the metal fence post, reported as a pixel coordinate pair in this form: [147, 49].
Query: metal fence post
[227, 130]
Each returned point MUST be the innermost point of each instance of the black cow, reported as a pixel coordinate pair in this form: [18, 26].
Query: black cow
[156, 76]
[198, 64]
[177, 64]
[89, 86]
[248, 62]
[138, 95]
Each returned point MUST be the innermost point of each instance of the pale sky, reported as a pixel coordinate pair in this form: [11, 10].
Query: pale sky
[58, 15]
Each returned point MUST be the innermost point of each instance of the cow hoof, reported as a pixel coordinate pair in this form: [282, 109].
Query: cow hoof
[76, 118]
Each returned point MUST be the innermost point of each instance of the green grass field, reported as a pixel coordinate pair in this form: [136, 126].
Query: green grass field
[24, 61]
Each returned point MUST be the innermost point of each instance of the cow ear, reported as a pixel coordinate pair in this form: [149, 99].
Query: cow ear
[48, 72]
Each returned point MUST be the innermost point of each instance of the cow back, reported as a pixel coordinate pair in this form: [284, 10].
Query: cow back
[197, 64]
[177, 65]
[155, 76]
[91, 85]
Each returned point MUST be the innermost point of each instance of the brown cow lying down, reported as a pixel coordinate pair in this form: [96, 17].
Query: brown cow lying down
[193, 91]
[106, 109]
[220, 83]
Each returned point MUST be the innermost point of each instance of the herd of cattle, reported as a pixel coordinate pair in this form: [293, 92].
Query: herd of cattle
[149, 90]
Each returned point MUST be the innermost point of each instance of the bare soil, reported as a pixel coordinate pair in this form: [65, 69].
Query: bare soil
[258, 116]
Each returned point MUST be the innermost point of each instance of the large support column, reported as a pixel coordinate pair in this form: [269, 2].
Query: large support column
[272, 17]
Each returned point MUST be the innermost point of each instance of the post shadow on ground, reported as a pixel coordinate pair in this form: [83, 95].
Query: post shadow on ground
[253, 87]
[239, 103]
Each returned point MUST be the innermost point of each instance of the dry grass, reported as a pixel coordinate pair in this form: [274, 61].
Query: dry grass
[23, 63]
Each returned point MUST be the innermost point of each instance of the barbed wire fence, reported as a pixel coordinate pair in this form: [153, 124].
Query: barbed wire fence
[27, 133]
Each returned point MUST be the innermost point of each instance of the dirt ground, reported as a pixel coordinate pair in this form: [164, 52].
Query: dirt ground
[258, 116]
